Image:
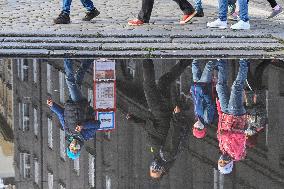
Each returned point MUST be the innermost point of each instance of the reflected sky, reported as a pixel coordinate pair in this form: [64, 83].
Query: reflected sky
[165, 118]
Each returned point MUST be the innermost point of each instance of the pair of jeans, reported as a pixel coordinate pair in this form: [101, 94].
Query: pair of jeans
[223, 10]
[198, 5]
[74, 81]
[272, 3]
[231, 103]
[206, 75]
[88, 4]
[147, 6]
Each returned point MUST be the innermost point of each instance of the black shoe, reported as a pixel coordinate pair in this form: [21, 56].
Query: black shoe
[199, 13]
[63, 18]
[90, 15]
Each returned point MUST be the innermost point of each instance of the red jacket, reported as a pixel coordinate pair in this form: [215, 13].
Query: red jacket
[230, 134]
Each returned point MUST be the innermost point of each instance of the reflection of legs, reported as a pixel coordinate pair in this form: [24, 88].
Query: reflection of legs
[222, 87]
[236, 106]
[207, 72]
[85, 65]
[74, 91]
[196, 71]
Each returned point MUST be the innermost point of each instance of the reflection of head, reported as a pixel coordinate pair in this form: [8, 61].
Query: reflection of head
[73, 149]
[225, 164]
[156, 170]
[199, 131]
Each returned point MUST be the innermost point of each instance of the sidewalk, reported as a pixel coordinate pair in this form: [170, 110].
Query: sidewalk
[109, 32]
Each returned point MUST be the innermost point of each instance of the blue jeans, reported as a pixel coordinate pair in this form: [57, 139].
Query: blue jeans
[88, 4]
[223, 10]
[198, 5]
[206, 75]
[233, 103]
[74, 81]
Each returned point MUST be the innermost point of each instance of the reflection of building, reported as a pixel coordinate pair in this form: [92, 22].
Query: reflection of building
[123, 158]
[40, 159]
[6, 124]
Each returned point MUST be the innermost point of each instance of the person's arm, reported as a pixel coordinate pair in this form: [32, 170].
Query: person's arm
[58, 110]
[91, 124]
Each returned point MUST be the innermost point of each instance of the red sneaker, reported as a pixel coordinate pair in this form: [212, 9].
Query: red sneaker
[135, 22]
[187, 17]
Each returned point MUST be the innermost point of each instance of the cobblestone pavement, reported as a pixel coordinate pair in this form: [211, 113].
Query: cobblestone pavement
[34, 18]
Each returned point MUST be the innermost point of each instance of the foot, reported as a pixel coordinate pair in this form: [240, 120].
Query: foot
[187, 17]
[234, 16]
[275, 11]
[241, 25]
[63, 18]
[199, 13]
[135, 22]
[217, 24]
[91, 14]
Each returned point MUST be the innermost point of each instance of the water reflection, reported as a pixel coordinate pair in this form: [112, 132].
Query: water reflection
[167, 124]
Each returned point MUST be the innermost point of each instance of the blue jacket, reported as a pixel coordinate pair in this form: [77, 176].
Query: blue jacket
[204, 105]
[89, 127]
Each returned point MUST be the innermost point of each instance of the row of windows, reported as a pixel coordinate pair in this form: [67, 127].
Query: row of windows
[25, 170]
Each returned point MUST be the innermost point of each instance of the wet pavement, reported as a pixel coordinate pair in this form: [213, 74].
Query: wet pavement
[35, 156]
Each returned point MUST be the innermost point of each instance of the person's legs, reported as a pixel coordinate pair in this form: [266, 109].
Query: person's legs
[272, 3]
[276, 9]
[198, 5]
[206, 76]
[185, 6]
[66, 6]
[146, 10]
[236, 106]
[223, 9]
[243, 6]
[74, 91]
[85, 65]
[222, 87]
[88, 4]
[196, 71]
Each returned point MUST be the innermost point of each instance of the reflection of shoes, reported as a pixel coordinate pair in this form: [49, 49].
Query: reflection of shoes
[135, 22]
[63, 18]
[187, 17]
[91, 14]
[275, 11]
[199, 13]
[217, 24]
[234, 16]
[241, 25]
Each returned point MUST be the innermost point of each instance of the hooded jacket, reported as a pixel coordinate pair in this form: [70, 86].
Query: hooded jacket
[231, 134]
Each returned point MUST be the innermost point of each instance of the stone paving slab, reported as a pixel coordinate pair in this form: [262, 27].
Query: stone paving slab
[26, 23]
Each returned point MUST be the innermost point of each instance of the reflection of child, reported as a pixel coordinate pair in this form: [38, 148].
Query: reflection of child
[201, 91]
[232, 117]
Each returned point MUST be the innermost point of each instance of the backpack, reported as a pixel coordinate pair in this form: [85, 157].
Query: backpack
[203, 98]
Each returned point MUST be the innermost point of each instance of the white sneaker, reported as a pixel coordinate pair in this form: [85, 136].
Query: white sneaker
[241, 25]
[217, 24]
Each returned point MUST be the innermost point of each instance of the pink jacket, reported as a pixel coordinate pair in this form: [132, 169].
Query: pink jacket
[230, 134]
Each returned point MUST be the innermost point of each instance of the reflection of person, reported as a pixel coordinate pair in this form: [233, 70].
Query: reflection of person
[64, 18]
[77, 117]
[146, 10]
[169, 121]
[202, 95]
[232, 117]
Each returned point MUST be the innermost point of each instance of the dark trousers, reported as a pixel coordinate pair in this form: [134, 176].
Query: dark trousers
[147, 6]
[272, 3]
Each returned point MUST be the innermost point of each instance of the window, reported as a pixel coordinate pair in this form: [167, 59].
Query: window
[26, 117]
[48, 79]
[77, 166]
[19, 63]
[36, 171]
[24, 70]
[108, 182]
[50, 180]
[20, 115]
[61, 87]
[35, 122]
[49, 131]
[35, 70]
[62, 144]
[91, 97]
[61, 186]
[25, 165]
[91, 170]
